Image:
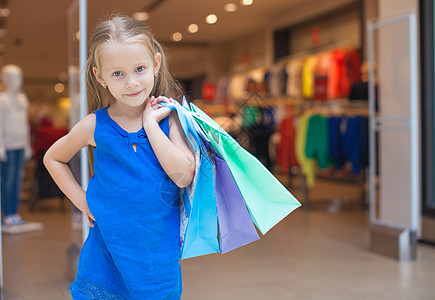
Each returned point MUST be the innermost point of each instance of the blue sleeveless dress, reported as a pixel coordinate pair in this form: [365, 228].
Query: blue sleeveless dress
[133, 250]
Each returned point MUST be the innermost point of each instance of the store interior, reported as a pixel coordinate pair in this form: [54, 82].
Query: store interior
[289, 80]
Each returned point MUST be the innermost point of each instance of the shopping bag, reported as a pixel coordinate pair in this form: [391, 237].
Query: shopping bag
[201, 235]
[267, 200]
[198, 211]
[235, 225]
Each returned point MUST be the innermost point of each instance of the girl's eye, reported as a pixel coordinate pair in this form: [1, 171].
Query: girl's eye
[117, 74]
[140, 69]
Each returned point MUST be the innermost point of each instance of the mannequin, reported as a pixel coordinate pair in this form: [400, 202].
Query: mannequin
[14, 141]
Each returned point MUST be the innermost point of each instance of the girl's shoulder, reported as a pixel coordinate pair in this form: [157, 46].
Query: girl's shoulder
[89, 120]
[85, 128]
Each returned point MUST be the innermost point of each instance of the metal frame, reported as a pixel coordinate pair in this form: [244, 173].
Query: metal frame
[376, 123]
[426, 20]
[81, 5]
[84, 166]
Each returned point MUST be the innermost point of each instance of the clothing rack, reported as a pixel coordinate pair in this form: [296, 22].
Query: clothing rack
[339, 107]
[318, 49]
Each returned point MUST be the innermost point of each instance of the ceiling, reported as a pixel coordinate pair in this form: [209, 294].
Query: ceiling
[37, 38]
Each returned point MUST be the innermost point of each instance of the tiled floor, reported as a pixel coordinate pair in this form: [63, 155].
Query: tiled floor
[316, 254]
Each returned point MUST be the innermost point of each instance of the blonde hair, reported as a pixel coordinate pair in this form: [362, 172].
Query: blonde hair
[124, 29]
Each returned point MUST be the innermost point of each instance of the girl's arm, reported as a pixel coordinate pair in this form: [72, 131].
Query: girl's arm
[173, 153]
[61, 152]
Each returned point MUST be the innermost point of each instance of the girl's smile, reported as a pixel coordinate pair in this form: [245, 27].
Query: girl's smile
[134, 94]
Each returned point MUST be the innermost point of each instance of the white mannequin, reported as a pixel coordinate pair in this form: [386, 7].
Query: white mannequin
[14, 142]
[14, 125]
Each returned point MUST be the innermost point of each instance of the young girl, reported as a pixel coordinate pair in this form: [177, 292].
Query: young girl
[141, 159]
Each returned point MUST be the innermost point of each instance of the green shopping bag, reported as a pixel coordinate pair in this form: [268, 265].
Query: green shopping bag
[268, 201]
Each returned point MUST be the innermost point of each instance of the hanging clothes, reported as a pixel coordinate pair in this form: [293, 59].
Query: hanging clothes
[222, 90]
[286, 153]
[336, 131]
[321, 77]
[250, 115]
[259, 124]
[317, 144]
[294, 79]
[275, 84]
[308, 165]
[356, 142]
[353, 65]
[308, 77]
[237, 86]
[282, 79]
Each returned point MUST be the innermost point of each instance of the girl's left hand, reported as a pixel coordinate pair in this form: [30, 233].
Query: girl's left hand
[155, 113]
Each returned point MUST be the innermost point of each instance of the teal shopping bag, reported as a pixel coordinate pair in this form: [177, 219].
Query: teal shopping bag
[201, 236]
[268, 201]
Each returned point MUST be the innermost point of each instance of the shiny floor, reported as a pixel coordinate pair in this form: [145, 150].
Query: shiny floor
[321, 253]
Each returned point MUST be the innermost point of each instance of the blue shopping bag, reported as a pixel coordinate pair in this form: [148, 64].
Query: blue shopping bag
[198, 211]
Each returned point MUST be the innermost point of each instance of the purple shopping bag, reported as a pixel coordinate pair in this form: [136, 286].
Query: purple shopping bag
[235, 224]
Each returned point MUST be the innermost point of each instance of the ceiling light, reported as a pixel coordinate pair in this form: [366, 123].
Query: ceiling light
[63, 76]
[177, 36]
[193, 28]
[4, 12]
[247, 2]
[141, 16]
[211, 19]
[77, 36]
[59, 87]
[230, 7]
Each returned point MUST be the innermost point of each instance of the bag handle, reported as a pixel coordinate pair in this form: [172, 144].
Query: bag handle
[187, 123]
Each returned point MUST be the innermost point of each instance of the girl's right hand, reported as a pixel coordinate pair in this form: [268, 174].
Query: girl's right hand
[88, 215]
[155, 113]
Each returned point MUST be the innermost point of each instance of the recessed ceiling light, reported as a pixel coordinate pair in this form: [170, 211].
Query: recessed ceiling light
[193, 28]
[141, 16]
[177, 36]
[77, 36]
[230, 7]
[211, 19]
[59, 87]
[63, 76]
[4, 12]
[247, 2]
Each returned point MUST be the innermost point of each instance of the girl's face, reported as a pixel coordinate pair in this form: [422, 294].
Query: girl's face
[128, 70]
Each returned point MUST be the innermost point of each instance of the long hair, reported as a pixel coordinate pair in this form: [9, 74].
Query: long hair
[123, 30]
